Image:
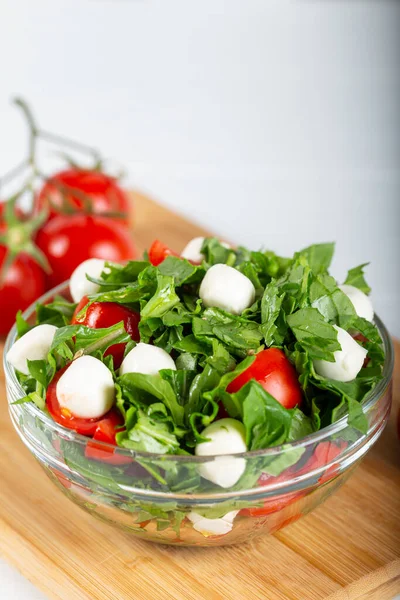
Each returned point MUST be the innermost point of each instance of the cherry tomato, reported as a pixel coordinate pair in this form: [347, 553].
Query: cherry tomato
[159, 252]
[276, 374]
[106, 314]
[62, 415]
[82, 190]
[69, 240]
[24, 282]
[105, 432]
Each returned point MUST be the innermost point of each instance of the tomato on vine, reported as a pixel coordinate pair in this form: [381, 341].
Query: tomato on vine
[84, 191]
[69, 240]
[22, 278]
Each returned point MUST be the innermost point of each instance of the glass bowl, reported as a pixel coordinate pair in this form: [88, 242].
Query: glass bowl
[162, 498]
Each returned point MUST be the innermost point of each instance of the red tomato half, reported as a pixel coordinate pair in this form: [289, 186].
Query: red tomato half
[159, 252]
[106, 314]
[75, 189]
[276, 374]
[63, 416]
[69, 240]
[105, 432]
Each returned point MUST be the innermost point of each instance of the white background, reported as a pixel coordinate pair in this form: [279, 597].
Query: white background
[273, 122]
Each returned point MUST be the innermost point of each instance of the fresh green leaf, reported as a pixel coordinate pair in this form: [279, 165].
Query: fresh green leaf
[163, 300]
[240, 335]
[300, 426]
[267, 422]
[153, 386]
[38, 370]
[331, 302]
[319, 256]
[271, 304]
[314, 334]
[22, 326]
[215, 253]
[355, 277]
[181, 270]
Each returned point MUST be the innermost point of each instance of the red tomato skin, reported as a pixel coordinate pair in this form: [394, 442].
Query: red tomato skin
[105, 432]
[106, 314]
[103, 192]
[69, 240]
[222, 412]
[23, 284]
[158, 252]
[83, 426]
[276, 374]
[276, 503]
[323, 454]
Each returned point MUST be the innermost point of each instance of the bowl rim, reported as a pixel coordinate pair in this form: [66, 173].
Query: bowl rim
[323, 434]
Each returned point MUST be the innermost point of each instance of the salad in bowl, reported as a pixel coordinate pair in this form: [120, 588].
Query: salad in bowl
[204, 397]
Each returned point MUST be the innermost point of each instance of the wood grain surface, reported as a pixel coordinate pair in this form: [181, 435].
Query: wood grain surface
[347, 549]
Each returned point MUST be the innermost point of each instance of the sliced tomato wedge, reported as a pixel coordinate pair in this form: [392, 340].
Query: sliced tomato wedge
[106, 314]
[276, 374]
[105, 432]
[158, 252]
[63, 416]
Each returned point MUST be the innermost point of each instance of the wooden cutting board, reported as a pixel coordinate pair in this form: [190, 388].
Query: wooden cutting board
[347, 549]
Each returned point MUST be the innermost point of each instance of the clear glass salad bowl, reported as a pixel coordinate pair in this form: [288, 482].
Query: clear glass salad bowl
[162, 498]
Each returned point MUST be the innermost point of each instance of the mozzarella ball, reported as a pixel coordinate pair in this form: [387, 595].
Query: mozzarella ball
[86, 389]
[209, 527]
[34, 345]
[227, 288]
[362, 304]
[226, 436]
[146, 359]
[348, 361]
[192, 250]
[79, 286]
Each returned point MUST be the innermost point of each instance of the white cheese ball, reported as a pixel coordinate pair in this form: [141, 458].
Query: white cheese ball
[34, 345]
[86, 389]
[348, 361]
[79, 286]
[361, 302]
[225, 287]
[146, 359]
[227, 436]
[192, 250]
[210, 527]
